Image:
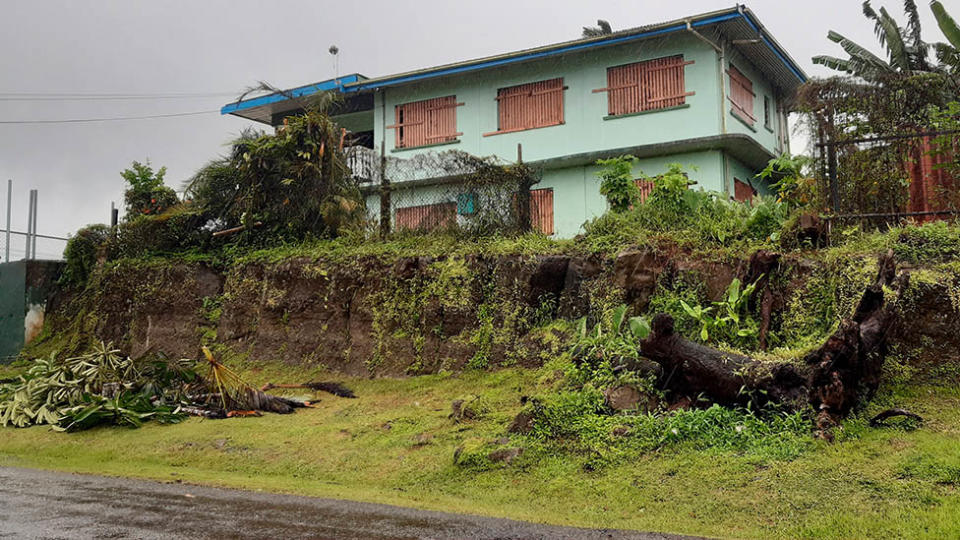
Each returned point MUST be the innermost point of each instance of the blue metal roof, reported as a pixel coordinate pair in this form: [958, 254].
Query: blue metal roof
[301, 91]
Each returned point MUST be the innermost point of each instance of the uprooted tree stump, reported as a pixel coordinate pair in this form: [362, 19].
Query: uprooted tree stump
[833, 379]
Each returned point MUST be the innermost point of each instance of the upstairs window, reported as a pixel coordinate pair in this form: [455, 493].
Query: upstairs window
[422, 123]
[529, 106]
[741, 96]
[767, 112]
[646, 86]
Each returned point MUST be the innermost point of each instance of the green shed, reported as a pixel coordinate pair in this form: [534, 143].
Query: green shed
[25, 288]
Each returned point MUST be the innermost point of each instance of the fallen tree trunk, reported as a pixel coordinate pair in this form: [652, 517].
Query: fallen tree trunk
[691, 369]
[832, 379]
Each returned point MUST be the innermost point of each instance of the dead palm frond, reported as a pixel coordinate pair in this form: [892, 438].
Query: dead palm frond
[233, 394]
[602, 29]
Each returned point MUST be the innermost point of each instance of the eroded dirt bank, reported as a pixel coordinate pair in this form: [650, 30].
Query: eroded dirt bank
[414, 315]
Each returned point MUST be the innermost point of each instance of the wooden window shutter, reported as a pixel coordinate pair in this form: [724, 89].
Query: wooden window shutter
[645, 187]
[430, 121]
[541, 210]
[529, 106]
[645, 86]
[427, 217]
[741, 95]
[742, 191]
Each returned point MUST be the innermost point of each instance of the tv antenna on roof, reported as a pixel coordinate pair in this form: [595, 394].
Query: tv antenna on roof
[334, 51]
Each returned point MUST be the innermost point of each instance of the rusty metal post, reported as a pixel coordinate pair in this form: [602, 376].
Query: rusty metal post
[832, 172]
[384, 193]
[523, 193]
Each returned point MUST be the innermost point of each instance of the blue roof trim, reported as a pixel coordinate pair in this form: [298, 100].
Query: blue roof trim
[776, 50]
[544, 54]
[301, 91]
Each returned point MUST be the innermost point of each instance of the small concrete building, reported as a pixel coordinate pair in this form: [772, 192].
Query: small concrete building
[707, 92]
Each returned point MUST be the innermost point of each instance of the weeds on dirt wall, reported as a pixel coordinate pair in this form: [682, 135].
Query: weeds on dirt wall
[411, 310]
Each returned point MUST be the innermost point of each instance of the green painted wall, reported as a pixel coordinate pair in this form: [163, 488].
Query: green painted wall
[584, 129]
[13, 279]
[24, 286]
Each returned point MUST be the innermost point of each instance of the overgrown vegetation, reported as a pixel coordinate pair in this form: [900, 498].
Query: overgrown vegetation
[146, 195]
[690, 217]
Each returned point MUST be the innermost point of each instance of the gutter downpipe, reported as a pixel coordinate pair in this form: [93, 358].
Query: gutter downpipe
[721, 59]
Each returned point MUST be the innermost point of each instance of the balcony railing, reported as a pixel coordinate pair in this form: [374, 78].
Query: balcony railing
[364, 162]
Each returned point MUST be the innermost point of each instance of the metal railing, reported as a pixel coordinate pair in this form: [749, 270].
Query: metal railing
[831, 170]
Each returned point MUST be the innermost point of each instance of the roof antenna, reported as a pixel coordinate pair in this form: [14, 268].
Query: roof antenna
[334, 50]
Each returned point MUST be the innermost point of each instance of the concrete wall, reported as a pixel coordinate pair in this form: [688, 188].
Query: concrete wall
[25, 287]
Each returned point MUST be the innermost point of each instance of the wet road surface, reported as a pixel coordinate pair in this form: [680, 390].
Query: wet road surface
[41, 504]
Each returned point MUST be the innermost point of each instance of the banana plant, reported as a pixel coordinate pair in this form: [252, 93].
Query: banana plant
[906, 51]
[947, 53]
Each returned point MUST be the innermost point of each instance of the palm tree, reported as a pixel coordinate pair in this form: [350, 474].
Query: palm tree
[602, 29]
[947, 53]
[906, 51]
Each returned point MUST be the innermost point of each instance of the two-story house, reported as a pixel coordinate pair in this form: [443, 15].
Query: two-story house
[708, 91]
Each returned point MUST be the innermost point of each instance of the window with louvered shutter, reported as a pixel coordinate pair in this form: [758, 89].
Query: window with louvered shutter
[646, 86]
[645, 187]
[529, 106]
[426, 122]
[741, 95]
[541, 210]
[427, 217]
[742, 191]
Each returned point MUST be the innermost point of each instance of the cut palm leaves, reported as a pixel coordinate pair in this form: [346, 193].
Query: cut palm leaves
[234, 394]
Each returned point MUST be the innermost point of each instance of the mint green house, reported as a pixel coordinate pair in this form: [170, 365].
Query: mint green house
[708, 91]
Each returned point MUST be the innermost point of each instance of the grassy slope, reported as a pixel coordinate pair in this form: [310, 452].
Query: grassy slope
[879, 483]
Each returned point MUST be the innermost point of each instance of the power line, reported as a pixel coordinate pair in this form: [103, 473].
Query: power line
[112, 119]
[114, 94]
[109, 98]
[37, 235]
[106, 97]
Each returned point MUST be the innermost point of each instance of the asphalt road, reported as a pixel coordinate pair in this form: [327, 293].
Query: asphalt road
[41, 504]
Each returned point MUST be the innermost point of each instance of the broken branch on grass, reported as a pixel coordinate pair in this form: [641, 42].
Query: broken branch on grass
[879, 420]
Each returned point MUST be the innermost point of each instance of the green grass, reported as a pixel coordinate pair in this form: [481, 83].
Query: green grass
[395, 445]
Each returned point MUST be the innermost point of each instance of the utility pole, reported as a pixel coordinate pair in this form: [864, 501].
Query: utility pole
[9, 197]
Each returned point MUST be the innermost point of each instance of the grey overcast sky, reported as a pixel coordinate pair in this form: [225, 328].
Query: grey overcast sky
[223, 46]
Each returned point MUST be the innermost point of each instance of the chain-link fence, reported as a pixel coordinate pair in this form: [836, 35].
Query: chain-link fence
[449, 191]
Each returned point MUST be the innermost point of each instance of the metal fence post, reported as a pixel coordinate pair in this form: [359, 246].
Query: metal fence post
[832, 166]
[384, 193]
[26, 247]
[9, 207]
[33, 244]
